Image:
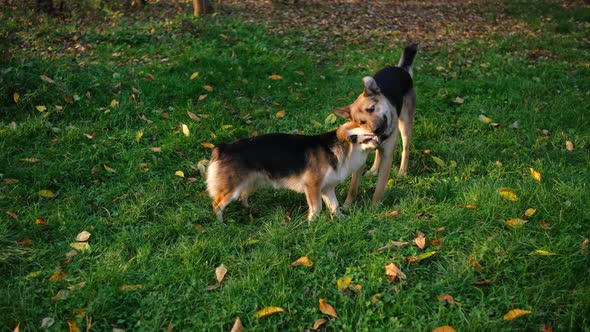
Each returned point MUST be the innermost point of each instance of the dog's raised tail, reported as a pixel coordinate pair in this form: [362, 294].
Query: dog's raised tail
[407, 58]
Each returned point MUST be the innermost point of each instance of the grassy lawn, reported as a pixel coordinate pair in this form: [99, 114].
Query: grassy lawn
[93, 121]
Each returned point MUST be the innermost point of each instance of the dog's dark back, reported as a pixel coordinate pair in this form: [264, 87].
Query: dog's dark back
[278, 155]
[394, 83]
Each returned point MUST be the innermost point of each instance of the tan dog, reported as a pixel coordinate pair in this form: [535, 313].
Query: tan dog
[313, 165]
[386, 107]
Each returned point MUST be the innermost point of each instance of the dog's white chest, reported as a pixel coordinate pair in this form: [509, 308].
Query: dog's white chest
[356, 160]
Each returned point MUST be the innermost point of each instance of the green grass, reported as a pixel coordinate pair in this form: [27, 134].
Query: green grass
[142, 217]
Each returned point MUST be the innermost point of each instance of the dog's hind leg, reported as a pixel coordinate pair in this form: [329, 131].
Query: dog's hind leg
[222, 200]
[314, 201]
[406, 125]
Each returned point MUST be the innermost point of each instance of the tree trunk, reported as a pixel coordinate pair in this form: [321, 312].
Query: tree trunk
[201, 7]
[45, 6]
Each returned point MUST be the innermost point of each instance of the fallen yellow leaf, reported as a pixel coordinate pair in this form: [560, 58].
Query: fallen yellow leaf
[46, 193]
[138, 136]
[179, 174]
[281, 114]
[80, 246]
[208, 88]
[484, 119]
[446, 298]
[109, 169]
[327, 309]
[540, 252]
[530, 212]
[515, 313]
[425, 255]
[194, 75]
[114, 103]
[508, 193]
[275, 77]
[130, 287]
[536, 175]
[16, 97]
[208, 145]
[584, 247]
[303, 261]
[266, 311]
[343, 283]
[30, 160]
[569, 146]
[438, 161]
[515, 222]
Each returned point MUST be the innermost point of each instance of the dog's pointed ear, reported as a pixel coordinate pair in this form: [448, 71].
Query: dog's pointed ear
[343, 112]
[371, 87]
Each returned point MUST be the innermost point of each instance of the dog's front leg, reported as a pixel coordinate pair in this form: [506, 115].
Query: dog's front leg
[353, 189]
[376, 163]
[329, 197]
[386, 151]
[314, 201]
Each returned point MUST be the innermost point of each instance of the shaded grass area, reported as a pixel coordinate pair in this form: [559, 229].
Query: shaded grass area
[143, 217]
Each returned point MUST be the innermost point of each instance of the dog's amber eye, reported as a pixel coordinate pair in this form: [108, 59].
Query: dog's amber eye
[371, 109]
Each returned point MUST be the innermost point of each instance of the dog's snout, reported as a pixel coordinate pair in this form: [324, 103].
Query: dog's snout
[381, 129]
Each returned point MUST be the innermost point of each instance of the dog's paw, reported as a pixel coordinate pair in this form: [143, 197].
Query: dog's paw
[338, 215]
[372, 171]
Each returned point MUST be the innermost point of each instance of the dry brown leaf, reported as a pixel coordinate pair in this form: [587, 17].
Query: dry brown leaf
[584, 247]
[446, 298]
[83, 236]
[545, 225]
[515, 313]
[220, 272]
[208, 88]
[482, 283]
[474, 263]
[207, 145]
[61, 295]
[200, 228]
[319, 322]
[536, 175]
[569, 146]
[156, 149]
[411, 259]
[73, 327]
[400, 244]
[459, 100]
[40, 221]
[10, 181]
[393, 272]
[266, 311]
[281, 114]
[303, 261]
[47, 79]
[57, 276]
[24, 241]
[275, 77]
[445, 328]
[193, 116]
[237, 327]
[468, 206]
[203, 96]
[376, 298]
[393, 213]
[12, 215]
[420, 240]
[327, 309]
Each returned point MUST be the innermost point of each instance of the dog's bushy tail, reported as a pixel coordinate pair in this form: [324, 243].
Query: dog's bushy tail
[407, 58]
